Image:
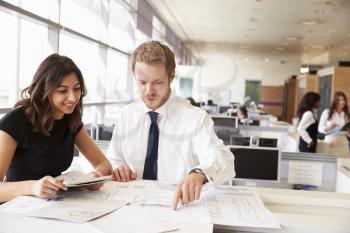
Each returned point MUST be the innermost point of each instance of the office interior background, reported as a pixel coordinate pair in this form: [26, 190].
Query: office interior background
[264, 54]
[225, 50]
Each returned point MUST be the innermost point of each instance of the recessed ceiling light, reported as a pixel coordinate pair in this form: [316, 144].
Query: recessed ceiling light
[266, 59]
[304, 70]
[291, 38]
[253, 20]
[244, 46]
[316, 46]
[284, 44]
[310, 22]
[320, 11]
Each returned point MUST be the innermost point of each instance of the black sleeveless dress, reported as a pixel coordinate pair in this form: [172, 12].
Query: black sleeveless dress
[37, 155]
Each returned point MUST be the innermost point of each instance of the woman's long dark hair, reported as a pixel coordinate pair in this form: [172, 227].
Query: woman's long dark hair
[244, 110]
[36, 97]
[307, 103]
[333, 106]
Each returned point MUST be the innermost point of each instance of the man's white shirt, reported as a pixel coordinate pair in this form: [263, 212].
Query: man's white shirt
[186, 141]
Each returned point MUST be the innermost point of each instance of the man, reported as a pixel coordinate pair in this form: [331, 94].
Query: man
[162, 137]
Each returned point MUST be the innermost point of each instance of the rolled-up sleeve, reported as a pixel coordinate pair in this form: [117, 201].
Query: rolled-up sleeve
[215, 159]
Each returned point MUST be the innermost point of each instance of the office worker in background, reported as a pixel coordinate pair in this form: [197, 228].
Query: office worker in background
[242, 115]
[37, 136]
[331, 122]
[163, 137]
[192, 101]
[308, 124]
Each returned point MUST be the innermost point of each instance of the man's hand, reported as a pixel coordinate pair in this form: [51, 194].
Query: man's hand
[190, 189]
[123, 174]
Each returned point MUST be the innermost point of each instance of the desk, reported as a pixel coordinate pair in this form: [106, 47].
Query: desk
[305, 211]
[296, 211]
[343, 175]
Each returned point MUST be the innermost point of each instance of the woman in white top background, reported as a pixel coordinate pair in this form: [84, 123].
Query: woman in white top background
[331, 122]
[308, 124]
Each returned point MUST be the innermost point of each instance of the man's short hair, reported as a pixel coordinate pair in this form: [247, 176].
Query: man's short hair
[154, 52]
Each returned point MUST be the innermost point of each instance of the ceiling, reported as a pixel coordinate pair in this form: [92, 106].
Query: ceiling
[310, 31]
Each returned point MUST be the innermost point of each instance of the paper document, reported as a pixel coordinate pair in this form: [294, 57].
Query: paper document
[305, 172]
[78, 179]
[69, 206]
[222, 205]
[77, 210]
[138, 192]
[119, 221]
[238, 206]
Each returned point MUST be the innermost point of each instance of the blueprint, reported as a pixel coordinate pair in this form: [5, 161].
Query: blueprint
[68, 207]
[221, 205]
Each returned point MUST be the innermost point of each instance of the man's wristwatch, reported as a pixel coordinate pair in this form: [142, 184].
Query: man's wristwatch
[197, 170]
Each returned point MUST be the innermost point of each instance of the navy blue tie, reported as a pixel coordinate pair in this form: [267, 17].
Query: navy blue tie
[150, 169]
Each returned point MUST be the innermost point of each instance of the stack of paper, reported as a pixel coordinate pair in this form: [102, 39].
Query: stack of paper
[79, 179]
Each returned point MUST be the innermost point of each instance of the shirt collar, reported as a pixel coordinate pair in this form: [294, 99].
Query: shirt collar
[164, 109]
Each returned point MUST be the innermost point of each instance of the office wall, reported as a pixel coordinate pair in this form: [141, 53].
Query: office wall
[272, 99]
[224, 71]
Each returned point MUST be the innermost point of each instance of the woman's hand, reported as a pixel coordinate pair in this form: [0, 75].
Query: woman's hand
[47, 187]
[312, 143]
[95, 186]
[331, 127]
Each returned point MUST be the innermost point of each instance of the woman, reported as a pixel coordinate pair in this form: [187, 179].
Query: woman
[37, 137]
[308, 124]
[331, 122]
[242, 115]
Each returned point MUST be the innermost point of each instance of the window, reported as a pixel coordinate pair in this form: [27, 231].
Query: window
[89, 58]
[34, 48]
[86, 16]
[121, 28]
[158, 32]
[8, 59]
[45, 8]
[186, 85]
[117, 76]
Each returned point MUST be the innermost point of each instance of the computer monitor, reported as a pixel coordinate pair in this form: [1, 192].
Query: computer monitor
[254, 122]
[239, 140]
[224, 108]
[256, 163]
[224, 127]
[225, 121]
[268, 142]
